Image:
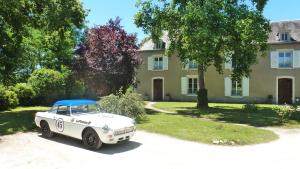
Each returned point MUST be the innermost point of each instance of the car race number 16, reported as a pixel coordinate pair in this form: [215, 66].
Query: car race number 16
[59, 125]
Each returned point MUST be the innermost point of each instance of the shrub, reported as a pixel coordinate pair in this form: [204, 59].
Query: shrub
[8, 98]
[284, 113]
[24, 93]
[250, 108]
[75, 88]
[90, 93]
[110, 104]
[129, 104]
[49, 85]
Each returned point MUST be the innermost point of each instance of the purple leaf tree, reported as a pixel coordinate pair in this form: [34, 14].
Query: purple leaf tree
[108, 59]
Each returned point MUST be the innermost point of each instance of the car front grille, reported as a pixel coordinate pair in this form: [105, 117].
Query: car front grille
[124, 130]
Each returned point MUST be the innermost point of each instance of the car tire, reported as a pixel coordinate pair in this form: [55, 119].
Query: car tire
[46, 132]
[91, 139]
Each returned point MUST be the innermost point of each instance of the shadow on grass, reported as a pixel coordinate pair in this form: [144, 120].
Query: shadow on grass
[263, 117]
[15, 121]
[145, 119]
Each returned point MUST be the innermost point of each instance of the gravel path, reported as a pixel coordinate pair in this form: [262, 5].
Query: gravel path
[147, 151]
[149, 105]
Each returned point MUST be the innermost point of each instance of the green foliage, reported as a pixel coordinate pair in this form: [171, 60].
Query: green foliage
[76, 88]
[284, 113]
[49, 85]
[209, 32]
[250, 108]
[8, 98]
[34, 32]
[24, 93]
[129, 104]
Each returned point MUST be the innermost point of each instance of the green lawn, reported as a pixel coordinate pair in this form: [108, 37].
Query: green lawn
[232, 113]
[201, 130]
[19, 119]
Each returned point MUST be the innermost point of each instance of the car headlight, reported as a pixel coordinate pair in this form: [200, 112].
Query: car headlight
[133, 122]
[105, 128]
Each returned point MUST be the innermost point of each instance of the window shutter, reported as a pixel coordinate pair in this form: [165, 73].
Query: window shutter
[296, 59]
[165, 62]
[227, 82]
[186, 66]
[150, 63]
[274, 59]
[228, 65]
[245, 86]
[184, 85]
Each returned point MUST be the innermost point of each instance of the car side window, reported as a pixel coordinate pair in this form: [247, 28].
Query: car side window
[63, 110]
[53, 109]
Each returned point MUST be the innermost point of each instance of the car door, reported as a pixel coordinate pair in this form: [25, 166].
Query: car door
[50, 118]
[62, 120]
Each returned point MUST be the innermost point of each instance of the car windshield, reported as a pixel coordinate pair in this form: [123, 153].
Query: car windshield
[85, 109]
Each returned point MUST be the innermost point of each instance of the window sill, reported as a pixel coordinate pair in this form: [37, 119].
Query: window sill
[193, 95]
[157, 70]
[237, 97]
[288, 68]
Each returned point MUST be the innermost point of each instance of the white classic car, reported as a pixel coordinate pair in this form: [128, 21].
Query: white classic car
[83, 119]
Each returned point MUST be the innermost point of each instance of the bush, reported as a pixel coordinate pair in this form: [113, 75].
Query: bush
[129, 104]
[250, 108]
[24, 93]
[90, 94]
[75, 88]
[49, 85]
[284, 113]
[8, 98]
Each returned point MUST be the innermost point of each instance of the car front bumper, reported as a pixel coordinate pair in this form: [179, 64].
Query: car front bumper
[114, 139]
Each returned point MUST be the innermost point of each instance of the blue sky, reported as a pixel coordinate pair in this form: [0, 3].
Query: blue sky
[102, 10]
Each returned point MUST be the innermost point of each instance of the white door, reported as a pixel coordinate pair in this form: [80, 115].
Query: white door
[62, 120]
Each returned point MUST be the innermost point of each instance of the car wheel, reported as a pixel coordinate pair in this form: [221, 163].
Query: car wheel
[91, 139]
[46, 132]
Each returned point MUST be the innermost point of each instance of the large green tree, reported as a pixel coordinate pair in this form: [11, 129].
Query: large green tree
[209, 32]
[40, 28]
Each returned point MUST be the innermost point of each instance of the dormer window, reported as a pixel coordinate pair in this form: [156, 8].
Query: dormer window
[160, 45]
[284, 36]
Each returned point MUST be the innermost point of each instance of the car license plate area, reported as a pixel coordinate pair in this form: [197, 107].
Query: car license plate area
[123, 131]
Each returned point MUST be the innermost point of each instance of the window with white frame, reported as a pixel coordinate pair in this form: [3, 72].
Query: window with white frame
[192, 85]
[160, 45]
[158, 63]
[234, 64]
[236, 88]
[192, 65]
[284, 36]
[285, 59]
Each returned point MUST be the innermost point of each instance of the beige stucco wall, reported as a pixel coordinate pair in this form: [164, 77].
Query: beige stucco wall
[262, 79]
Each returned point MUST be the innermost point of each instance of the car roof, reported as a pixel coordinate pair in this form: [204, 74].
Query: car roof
[74, 102]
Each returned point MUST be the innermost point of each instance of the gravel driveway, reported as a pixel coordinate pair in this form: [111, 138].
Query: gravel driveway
[153, 151]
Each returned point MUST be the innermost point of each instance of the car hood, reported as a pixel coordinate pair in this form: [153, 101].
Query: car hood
[113, 121]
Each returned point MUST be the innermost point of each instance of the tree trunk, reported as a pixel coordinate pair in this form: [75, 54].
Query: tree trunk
[202, 93]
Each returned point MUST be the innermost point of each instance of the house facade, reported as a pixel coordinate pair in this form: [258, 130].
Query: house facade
[274, 79]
